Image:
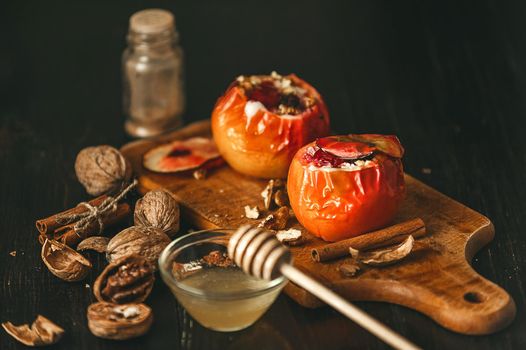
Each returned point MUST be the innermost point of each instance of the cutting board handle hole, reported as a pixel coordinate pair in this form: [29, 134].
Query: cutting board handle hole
[473, 297]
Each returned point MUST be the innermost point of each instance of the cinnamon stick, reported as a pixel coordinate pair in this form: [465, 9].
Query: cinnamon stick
[387, 236]
[68, 235]
[50, 224]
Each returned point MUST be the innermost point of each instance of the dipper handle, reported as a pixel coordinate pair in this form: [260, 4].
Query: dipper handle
[260, 254]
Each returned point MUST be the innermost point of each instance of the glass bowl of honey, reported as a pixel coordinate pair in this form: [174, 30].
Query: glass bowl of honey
[212, 289]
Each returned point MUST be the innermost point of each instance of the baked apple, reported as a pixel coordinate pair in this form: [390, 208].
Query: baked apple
[261, 121]
[343, 186]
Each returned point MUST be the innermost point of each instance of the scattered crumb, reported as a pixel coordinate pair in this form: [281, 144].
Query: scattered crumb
[349, 270]
[216, 215]
[291, 235]
[87, 286]
[426, 171]
[13, 253]
[276, 221]
[199, 174]
[251, 213]
[221, 190]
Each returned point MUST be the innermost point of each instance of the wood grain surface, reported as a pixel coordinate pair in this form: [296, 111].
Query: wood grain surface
[448, 77]
[436, 279]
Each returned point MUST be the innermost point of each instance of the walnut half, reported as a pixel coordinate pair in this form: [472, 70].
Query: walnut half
[119, 322]
[127, 280]
[64, 262]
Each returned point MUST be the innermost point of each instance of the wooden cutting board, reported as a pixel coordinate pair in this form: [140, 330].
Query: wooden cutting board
[436, 279]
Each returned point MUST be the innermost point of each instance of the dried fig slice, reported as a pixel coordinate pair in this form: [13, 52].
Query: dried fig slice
[385, 256]
[42, 332]
[180, 155]
[147, 242]
[119, 322]
[127, 280]
[64, 262]
[96, 243]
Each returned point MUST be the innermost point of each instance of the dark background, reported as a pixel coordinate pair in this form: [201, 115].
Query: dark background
[448, 77]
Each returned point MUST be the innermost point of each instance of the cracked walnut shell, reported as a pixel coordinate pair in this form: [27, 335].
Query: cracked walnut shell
[42, 332]
[119, 322]
[158, 208]
[64, 262]
[102, 169]
[147, 242]
[127, 280]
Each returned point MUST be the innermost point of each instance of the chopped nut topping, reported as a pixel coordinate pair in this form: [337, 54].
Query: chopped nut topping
[286, 97]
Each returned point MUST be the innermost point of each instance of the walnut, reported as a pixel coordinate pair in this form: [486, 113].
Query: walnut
[217, 258]
[158, 208]
[127, 280]
[64, 262]
[270, 194]
[102, 169]
[96, 243]
[119, 322]
[267, 194]
[276, 221]
[147, 242]
[281, 198]
[42, 332]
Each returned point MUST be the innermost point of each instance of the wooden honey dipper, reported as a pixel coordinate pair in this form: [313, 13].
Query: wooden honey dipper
[260, 254]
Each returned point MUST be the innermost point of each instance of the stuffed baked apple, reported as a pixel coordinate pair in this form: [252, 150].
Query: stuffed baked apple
[261, 121]
[343, 186]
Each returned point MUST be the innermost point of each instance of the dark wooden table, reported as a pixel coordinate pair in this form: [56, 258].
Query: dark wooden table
[448, 77]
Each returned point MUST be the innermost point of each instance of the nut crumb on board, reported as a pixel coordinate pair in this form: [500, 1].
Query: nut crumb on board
[290, 236]
[349, 270]
[13, 253]
[251, 213]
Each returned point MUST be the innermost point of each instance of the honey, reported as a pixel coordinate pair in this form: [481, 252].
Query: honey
[239, 299]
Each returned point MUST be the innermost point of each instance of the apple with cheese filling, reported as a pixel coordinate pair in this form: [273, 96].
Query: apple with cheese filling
[262, 120]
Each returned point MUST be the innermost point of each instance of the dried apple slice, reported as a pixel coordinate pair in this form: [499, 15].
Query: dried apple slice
[345, 147]
[182, 155]
[388, 144]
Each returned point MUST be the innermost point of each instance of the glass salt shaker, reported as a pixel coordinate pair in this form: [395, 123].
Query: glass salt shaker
[153, 94]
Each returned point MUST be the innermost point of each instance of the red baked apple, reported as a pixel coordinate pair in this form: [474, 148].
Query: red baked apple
[261, 121]
[343, 186]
